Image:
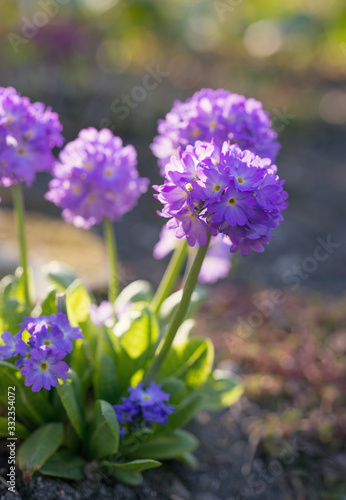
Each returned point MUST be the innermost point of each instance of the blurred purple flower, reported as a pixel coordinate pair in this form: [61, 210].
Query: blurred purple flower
[143, 407]
[99, 315]
[28, 133]
[95, 178]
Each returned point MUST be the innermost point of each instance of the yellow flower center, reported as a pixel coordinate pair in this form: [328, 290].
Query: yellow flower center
[47, 342]
[77, 189]
[231, 118]
[240, 180]
[232, 201]
[196, 133]
[212, 125]
[216, 187]
[108, 172]
[21, 151]
[88, 166]
[91, 198]
[44, 366]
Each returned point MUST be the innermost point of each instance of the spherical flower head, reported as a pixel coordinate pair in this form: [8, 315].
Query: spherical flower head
[28, 133]
[96, 177]
[222, 191]
[218, 115]
[43, 368]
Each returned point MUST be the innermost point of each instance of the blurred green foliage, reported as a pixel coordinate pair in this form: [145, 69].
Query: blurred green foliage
[82, 55]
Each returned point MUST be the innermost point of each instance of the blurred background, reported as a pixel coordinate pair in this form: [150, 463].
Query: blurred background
[89, 60]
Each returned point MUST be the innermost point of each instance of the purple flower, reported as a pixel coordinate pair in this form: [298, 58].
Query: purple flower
[61, 322]
[157, 413]
[99, 315]
[13, 345]
[218, 115]
[53, 331]
[28, 133]
[95, 178]
[43, 368]
[128, 411]
[46, 336]
[149, 396]
[223, 191]
[143, 407]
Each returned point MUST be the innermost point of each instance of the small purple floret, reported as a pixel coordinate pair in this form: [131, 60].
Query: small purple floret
[43, 368]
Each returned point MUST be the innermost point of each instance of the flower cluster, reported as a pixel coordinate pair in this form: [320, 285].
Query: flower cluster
[143, 408]
[218, 115]
[216, 264]
[95, 178]
[28, 132]
[41, 345]
[228, 191]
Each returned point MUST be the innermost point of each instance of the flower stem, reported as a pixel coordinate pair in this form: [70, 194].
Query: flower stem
[170, 276]
[178, 316]
[19, 214]
[113, 259]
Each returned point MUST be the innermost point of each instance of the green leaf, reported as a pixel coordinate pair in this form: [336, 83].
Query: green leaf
[221, 393]
[20, 431]
[32, 408]
[66, 465]
[176, 388]
[82, 362]
[59, 274]
[138, 291]
[48, 303]
[191, 361]
[184, 331]
[104, 438]
[12, 314]
[78, 302]
[186, 410]
[130, 478]
[105, 380]
[164, 446]
[70, 393]
[39, 447]
[137, 465]
[189, 459]
[136, 345]
[171, 303]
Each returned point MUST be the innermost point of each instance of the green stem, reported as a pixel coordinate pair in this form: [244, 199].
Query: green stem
[113, 259]
[171, 274]
[19, 214]
[178, 317]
